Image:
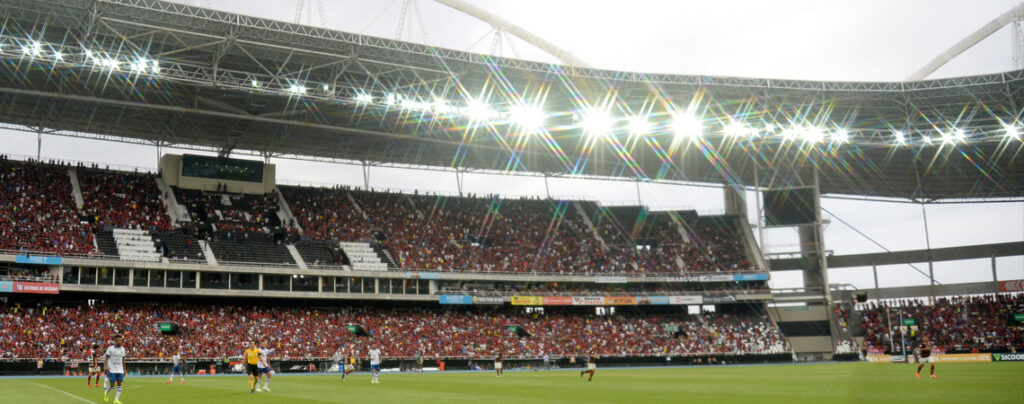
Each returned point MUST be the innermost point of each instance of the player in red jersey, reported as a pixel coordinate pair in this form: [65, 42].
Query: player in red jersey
[924, 355]
[498, 364]
[591, 367]
[95, 367]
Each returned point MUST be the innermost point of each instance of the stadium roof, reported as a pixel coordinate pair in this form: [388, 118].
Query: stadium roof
[174, 75]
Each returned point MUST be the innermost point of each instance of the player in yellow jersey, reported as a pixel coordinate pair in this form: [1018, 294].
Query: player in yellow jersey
[252, 358]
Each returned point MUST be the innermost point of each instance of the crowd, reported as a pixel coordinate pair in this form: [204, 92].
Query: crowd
[123, 200]
[490, 234]
[219, 331]
[482, 288]
[954, 324]
[38, 211]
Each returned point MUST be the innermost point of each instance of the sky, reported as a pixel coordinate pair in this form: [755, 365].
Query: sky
[867, 40]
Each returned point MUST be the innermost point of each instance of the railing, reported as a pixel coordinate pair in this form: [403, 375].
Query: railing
[632, 275]
[504, 293]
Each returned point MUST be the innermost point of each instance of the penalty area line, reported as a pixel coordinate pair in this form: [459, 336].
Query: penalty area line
[65, 393]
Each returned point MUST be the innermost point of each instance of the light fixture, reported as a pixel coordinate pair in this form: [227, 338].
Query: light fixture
[638, 125]
[32, 49]
[58, 56]
[947, 137]
[901, 138]
[297, 89]
[737, 129]
[686, 125]
[1011, 131]
[926, 139]
[479, 111]
[364, 98]
[255, 83]
[959, 135]
[528, 117]
[596, 122]
[154, 67]
[813, 134]
[841, 136]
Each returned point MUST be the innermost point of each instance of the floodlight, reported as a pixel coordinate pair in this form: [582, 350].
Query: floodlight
[139, 65]
[154, 67]
[947, 137]
[528, 117]
[297, 89]
[926, 139]
[327, 88]
[596, 122]
[901, 138]
[255, 83]
[1012, 131]
[638, 125]
[478, 111]
[959, 135]
[841, 136]
[364, 98]
[814, 135]
[441, 106]
[686, 125]
[58, 56]
[737, 129]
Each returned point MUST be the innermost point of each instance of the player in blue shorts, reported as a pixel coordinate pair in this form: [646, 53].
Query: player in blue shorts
[264, 370]
[375, 363]
[177, 368]
[115, 366]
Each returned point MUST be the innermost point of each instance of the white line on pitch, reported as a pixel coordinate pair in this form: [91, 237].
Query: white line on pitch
[65, 393]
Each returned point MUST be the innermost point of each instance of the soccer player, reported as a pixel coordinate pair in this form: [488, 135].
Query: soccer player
[591, 367]
[115, 366]
[95, 368]
[924, 355]
[375, 363]
[176, 360]
[346, 366]
[265, 371]
[252, 358]
[497, 365]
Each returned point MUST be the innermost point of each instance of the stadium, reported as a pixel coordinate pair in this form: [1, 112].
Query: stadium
[222, 193]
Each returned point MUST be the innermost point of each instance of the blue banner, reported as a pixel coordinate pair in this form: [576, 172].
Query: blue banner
[750, 277]
[455, 299]
[423, 275]
[657, 300]
[6, 287]
[28, 259]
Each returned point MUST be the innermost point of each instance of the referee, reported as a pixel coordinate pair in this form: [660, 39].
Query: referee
[252, 357]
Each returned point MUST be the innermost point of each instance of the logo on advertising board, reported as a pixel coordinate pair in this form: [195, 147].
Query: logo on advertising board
[879, 358]
[556, 300]
[488, 300]
[1011, 286]
[37, 288]
[620, 301]
[750, 277]
[526, 301]
[657, 300]
[587, 301]
[423, 275]
[6, 287]
[720, 299]
[686, 278]
[455, 299]
[30, 259]
[963, 358]
[715, 278]
[610, 279]
[1006, 357]
[686, 299]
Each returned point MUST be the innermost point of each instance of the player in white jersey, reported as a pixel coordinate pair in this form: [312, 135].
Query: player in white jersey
[115, 367]
[264, 369]
[375, 363]
[177, 363]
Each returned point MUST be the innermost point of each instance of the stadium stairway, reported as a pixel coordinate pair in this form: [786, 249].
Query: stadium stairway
[208, 252]
[356, 205]
[296, 256]
[135, 245]
[590, 224]
[76, 188]
[175, 211]
[412, 203]
[362, 256]
[284, 212]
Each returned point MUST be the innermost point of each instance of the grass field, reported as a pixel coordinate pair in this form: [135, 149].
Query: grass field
[814, 383]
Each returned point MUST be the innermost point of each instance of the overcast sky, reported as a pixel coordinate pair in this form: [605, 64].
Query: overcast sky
[865, 40]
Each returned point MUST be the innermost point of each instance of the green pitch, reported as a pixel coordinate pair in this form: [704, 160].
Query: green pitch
[815, 383]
